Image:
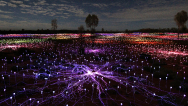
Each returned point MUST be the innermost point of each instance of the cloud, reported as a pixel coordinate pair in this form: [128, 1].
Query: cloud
[24, 5]
[86, 3]
[65, 1]
[1, 11]
[41, 2]
[115, 4]
[18, 25]
[3, 3]
[75, 10]
[144, 14]
[100, 5]
[53, 9]
[17, 2]
[63, 16]
[5, 16]
[35, 10]
[162, 2]
[112, 15]
[41, 12]
[12, 5]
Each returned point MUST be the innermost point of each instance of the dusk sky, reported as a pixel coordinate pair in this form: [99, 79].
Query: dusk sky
[70, 14]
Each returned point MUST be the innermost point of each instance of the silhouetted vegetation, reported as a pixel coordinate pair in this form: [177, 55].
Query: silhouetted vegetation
[37, 31]
[47, 31]
[54, 24]
[92, 21]
[180, 18]
[102, 29]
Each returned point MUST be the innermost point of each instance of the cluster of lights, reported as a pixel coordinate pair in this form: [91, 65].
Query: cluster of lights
[78, 79]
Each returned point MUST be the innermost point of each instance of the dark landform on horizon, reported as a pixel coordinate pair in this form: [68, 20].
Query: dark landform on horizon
[41, 31]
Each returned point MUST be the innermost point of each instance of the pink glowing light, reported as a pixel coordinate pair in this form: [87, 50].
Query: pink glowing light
[94, 51]
[89, 50]
[173, 53]
[165, 52]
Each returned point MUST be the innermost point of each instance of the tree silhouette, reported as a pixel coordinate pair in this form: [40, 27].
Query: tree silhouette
[102, 29]
[180, 18]
[54, 24]
[92, 21]
[81, 28]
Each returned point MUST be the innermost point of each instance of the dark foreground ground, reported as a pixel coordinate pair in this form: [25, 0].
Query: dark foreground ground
[55, 73]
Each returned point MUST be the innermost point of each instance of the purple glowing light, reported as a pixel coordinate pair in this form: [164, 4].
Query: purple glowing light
[89, 50]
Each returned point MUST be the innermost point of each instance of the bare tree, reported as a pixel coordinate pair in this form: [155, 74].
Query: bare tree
[54, 24]
[180, 18]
